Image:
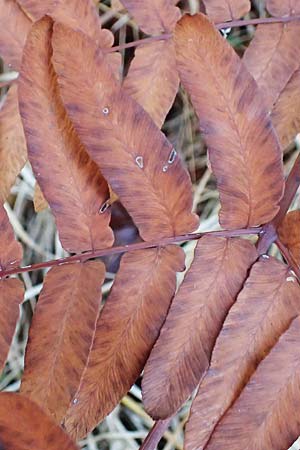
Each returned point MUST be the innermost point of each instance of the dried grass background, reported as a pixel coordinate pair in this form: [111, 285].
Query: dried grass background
[128, 424]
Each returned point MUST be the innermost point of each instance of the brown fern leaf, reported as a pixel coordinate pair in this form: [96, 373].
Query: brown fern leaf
[135, 157]
[266, 415]
[262, 312]
[224, 10]
[182, 352]
[11, 296]
[36, 9]
[280, 8]
[126, 331]
[14, 26]
[24, 426]
[286, 113]
[152, 79]
[234, 123]
[61, 335]
[10, 249]
[11, 290]
[272, 57]
[78, 14]
[154, 16]
[289, 233]
[13, 151]
[71, 182]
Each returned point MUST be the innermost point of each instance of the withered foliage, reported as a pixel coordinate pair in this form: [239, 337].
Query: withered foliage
[24, 426]
[231, 330]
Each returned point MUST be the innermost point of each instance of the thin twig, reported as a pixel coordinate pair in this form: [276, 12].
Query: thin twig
[269, 232]
[129, 248]
[291, 187]
[155, 434]
[289, 258]
[219, 26]
[262, 20]
[161, 37]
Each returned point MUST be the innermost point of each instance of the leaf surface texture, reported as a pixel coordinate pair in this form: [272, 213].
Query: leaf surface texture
[71, 182]
[13, 151]
[14, 25]
[265, 416]
[24, 426]
[272, 58]
[10, 249]
[78, 14]
[154, 16]
[11, 296]
[11, 290]
[182, 352]
[126, 331]
[152, 79]
[61, 335]
[286, 112]
[223, 10]
[264, 309]
[283, 7]
[243, 146]
[289, 233]
[135, 157]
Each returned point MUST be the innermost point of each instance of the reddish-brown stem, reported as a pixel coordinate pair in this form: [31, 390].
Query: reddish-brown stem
[156, 433]
[289, 258]
[270, 230]
[263, 20]
[291, 186]
[220, 25]
[128, 248]
[267, 238]
[161, 37]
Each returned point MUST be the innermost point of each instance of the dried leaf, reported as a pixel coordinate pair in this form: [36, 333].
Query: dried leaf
[154, 16]
[262, 312]
[78, 14]
[61, 335]
[39, 201]
[70, 180]
[272, 57]
[11, 290]
[289, 233]
[126, 331]
[10, 249]
[36, 9]
[283, 7]
[14, 26]
[266, 414]
[11, 295]
[182, 352]
[286, 113]
[135, 157]
[24, 426]
[243, 146]
[152, 79]
[13, 151]
[224, 10]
